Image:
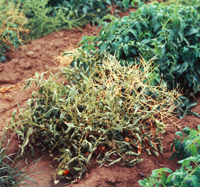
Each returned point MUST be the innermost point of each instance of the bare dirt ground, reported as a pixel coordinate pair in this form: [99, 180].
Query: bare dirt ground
[40, 56]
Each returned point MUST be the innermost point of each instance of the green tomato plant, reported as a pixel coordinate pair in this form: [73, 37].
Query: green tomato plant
[187, 148]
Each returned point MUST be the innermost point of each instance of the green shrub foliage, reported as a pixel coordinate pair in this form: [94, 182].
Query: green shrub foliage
[46, 16]
[187, 147]
[171, 33]
[187, 144]
[184, 2]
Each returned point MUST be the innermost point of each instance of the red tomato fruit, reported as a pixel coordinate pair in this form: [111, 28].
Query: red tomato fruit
[65, 172]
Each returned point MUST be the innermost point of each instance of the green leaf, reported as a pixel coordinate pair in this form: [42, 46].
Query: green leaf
[103, 47]
[143, 182]
[199, 128]
[168, 170]
[184, 162]
[134, 32]
[185, 49]
[170, 178]
[145, 41]
[192, 104]
[125, 3]
[126, 49]
[186, 130]
[177, 144]
[62, 115]
[192, 31]
[194, 150]
[179, 133]
[115, 161]
[26, 140]
[13, 114]
[156, 26]
[71, 125]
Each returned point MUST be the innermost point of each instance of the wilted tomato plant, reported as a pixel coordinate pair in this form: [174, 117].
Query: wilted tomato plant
[112, 114]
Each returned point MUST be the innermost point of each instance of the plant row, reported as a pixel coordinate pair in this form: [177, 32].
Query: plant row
[28, 19]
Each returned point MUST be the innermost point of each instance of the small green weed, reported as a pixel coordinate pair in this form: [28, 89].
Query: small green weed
[11, 174]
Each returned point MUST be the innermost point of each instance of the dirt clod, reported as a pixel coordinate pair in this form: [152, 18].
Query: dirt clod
[31, 54]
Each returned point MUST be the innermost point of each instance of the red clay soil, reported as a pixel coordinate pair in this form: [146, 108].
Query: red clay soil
[39, 56]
